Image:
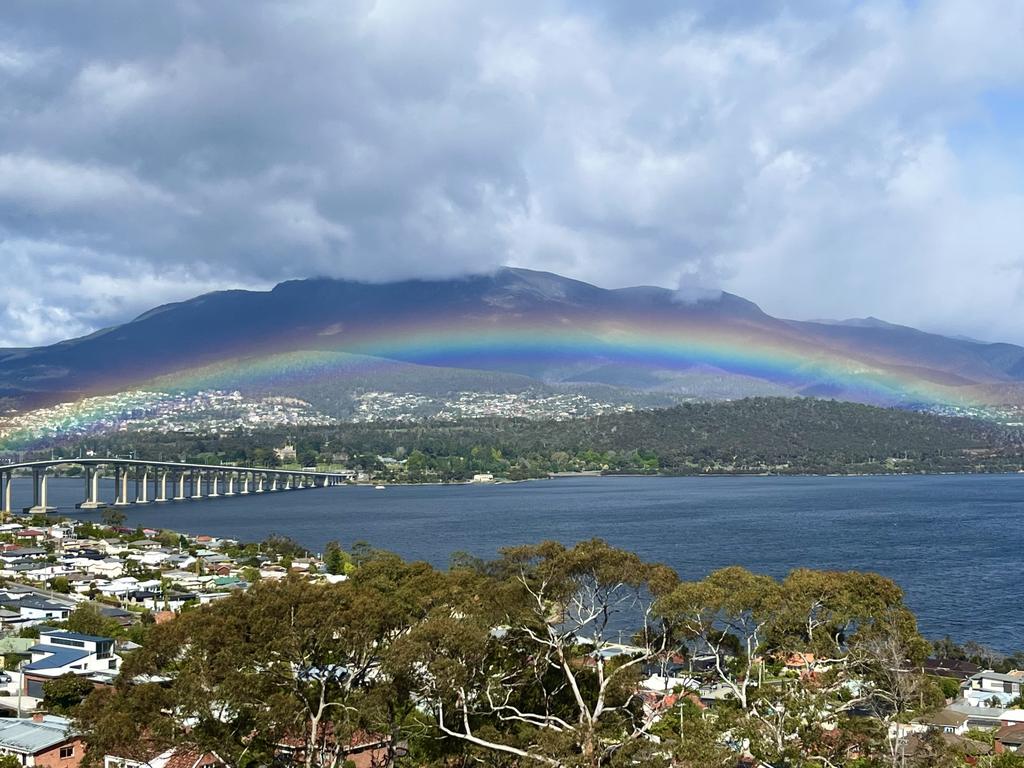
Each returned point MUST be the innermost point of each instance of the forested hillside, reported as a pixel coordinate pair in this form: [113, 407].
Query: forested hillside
[753, 435]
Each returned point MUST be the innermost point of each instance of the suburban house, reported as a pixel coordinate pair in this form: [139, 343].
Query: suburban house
[13, 554]
[987, 687]
[33, 609]
[1009, 738]
[60, 653]
[47, 741]
[945, 721]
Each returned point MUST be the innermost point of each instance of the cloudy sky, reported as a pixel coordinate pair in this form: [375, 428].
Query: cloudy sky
[822, 158]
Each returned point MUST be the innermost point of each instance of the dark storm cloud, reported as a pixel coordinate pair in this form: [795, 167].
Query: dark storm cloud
[813, 156]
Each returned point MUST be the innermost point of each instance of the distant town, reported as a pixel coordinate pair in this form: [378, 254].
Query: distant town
[216, 411]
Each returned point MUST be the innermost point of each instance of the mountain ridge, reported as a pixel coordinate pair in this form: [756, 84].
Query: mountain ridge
[518, 322]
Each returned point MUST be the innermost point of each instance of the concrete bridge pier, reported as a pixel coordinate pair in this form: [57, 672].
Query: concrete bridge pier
[92, 489]
[6, 486]
[273, 483]
[246, 477]
[212, 482]
[39, 500]
[142, 488]
[197, 484]
[161, 495]
[121, 485]
[180, 496]
[231, 485]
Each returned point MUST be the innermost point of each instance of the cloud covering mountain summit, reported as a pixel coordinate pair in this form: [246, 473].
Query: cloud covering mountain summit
[825, 159]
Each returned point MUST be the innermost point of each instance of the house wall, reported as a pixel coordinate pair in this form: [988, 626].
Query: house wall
[988, 684]
[51, 757]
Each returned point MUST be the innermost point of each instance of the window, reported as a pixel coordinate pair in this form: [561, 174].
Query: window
[112, 664]
[66, 641]
[66, 752]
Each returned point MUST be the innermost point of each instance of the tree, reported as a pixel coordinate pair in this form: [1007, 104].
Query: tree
[89, 619]
[886, 654]
[276, 544]
[64, 693]
[60, 584]
[113, 517]
[726, 616]
[284, 660]
[838, 631]
[335, 558]
[523, 662]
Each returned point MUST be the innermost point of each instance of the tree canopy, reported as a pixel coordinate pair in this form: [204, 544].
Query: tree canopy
[543, 656]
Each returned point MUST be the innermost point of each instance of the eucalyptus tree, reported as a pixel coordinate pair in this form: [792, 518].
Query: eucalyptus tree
[797, 657]
[539, 658]
[283, 668]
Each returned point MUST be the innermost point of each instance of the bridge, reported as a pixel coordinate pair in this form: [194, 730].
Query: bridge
[144, 482]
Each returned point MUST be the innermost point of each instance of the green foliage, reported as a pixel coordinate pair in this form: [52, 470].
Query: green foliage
[113, 517]
[60, 584]
[336, 560]
[282, 546]
[64, 693]
[950, 688]
[1005, 760]
[88, 619]
[278, 658]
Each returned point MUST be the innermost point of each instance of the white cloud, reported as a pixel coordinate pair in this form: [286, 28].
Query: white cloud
[822, 159]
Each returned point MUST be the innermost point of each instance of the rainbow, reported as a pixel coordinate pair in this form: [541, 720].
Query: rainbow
[540, 348]
[546, 348]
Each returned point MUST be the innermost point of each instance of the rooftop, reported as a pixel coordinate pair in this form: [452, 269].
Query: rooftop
[29, 737]
[58, 656]
[1016, 676]
[63, 633]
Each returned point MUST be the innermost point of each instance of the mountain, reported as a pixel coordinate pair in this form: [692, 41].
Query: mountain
[509, 331]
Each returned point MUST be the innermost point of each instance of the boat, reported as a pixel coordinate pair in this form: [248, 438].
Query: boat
[378, 487]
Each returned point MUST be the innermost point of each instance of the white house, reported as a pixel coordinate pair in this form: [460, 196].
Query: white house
[110, 568]
[59, 653]
[119, 588]
[944, 721]
[988, 687]
[33, 609]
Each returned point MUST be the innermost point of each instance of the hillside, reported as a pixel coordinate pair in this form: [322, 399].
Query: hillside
[748, 436]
